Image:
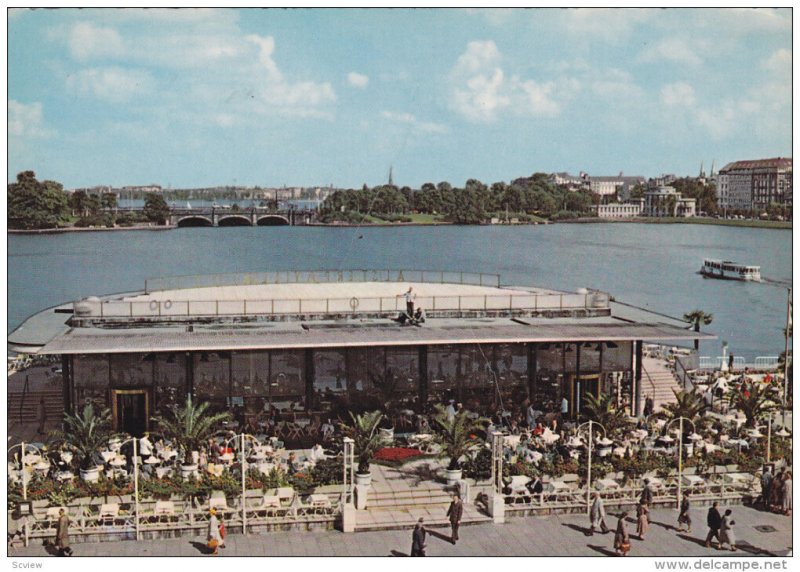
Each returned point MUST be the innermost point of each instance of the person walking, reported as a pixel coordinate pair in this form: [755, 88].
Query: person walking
[776, 491]
[642, 523]
[622, 543]
[597, 514]
[62, 534]
[41, 416]
[786, 496]
[455, 512]
[418, 539]
[714, 522]
[647, 494]
[214, 538]
[684, 517]
[726, 535]
[766, 482]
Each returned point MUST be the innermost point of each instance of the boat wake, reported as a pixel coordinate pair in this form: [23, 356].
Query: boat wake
[780, 283]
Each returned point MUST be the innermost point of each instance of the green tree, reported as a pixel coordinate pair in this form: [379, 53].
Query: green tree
[687, 404]
[364, 433]
[695, 318]
[155, 208]
[752, 399]
[603, 410]
[190, 426]
[34, 204]
[87, 431]
[457, 434]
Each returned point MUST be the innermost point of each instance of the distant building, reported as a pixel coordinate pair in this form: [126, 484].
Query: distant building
[666, 201]
[755, 184]
[619, 185]
[632, 208]
[564, 179]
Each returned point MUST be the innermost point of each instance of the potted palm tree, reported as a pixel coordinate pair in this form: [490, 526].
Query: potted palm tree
[367, 440]
[190, 426]
[87, 431]
[457, 434]
[752, 399]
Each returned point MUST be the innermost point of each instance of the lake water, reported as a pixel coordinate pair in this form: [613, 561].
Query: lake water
[649, 265]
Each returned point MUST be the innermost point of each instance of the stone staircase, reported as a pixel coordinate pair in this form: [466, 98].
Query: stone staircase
[658, 381]
[399, 509]
[22, 407]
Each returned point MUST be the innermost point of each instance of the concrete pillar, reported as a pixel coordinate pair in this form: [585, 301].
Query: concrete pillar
[348, 518]
[497, 508]
[361, 496]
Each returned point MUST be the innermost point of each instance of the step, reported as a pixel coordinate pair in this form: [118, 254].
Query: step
[407, 518]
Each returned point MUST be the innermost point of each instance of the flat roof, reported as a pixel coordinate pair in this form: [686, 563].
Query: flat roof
[57, 331]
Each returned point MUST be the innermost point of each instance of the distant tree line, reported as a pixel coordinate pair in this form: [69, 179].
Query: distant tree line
[475, 203]
[34, 204]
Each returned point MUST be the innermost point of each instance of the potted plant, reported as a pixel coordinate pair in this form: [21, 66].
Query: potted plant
[364, 433]
[457, 434]
[87, 432]
[190, 426]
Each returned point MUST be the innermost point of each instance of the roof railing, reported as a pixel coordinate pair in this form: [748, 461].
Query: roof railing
[384, 306]
[320, 276]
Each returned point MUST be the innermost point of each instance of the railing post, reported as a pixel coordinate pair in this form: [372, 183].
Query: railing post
[136, 485]
[244, 488]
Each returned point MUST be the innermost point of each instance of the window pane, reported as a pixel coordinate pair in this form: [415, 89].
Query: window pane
[401, 381]
[443, 373]
[131, 370]
[366, 370]
[211, 375]
[288, 379]
[91, 371]
[170, 381]
[617, 358]
[512, 372]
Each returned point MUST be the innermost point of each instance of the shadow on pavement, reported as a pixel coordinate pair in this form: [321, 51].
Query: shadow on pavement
[697, 541]
[750, 549]
[602, 550]
[439, 535]
[200, 546]
[397, 553]
[665, 526]
[585, 531]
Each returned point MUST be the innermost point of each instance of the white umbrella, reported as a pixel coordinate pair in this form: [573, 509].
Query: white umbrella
[782, 433]
[695, 437]
[605, 441]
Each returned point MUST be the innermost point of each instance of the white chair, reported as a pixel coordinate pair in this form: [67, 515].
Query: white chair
[218, 501]
[108, 512]
[164, 509]
[286, 494]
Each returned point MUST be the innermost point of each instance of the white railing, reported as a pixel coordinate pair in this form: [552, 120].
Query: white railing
[352, 305]
[739, 362]
[322, 277]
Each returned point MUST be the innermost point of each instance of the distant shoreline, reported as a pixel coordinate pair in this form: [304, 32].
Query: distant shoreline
[775, 225]
[86, 229]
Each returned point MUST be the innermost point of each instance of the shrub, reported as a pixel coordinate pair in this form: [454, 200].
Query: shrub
[479, 467]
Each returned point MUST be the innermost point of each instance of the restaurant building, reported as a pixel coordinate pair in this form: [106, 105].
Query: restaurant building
[317, 344]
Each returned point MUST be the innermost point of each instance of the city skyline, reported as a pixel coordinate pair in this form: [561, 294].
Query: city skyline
[312, 97]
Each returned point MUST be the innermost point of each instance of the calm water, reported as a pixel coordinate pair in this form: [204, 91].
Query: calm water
[653, 266]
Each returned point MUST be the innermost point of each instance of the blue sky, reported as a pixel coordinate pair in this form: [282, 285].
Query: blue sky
[311, 97]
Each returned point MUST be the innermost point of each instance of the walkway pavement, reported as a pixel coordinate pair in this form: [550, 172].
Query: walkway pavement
[563, 535]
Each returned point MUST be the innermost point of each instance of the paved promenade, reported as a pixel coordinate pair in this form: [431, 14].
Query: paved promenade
[564, 535]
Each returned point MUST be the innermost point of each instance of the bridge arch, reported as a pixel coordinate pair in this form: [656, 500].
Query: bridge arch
[272, 220]
[234, 220]
[194, 220]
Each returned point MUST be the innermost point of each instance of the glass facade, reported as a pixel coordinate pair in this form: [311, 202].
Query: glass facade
[331, 382]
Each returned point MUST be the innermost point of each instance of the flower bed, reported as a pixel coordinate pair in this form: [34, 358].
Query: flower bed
[396, 454]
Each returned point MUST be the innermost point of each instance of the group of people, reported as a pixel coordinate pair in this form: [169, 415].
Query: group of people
[776, 492]
[455, 513]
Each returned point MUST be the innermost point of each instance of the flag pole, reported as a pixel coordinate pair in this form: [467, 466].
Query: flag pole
[786, 356]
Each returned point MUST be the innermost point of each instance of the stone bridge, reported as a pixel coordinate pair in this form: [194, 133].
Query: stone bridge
[215, 216]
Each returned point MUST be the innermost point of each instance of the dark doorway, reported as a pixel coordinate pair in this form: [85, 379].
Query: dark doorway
[130, 410]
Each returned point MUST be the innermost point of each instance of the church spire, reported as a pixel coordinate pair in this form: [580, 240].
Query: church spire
[391, 183]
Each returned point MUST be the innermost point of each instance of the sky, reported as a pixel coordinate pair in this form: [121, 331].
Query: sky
[314, 97]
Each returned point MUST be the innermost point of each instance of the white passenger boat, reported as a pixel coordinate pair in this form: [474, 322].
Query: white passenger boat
[730, 270]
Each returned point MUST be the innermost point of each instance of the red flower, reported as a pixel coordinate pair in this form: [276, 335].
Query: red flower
[396, 454]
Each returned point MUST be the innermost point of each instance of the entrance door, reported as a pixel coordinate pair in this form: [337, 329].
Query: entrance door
[131, 411]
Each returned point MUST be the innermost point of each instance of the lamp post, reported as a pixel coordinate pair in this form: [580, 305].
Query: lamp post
[680, 452]
[589, 472]
[242, 442]
[23, 448]
[135, 441]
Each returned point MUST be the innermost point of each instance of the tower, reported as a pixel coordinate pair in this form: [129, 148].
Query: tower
[391, 183]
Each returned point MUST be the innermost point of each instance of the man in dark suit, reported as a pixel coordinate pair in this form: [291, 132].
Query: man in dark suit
[714, 521]
[455, 512]
[418, 539]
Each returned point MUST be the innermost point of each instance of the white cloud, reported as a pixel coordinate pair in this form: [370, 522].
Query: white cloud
[780, 62]
[357, 80]
[26, 120]
[611, 25]
[481, 91]
[678, 94]
[410, 120]
[87, 41]
[113, 84]
[674, 49]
